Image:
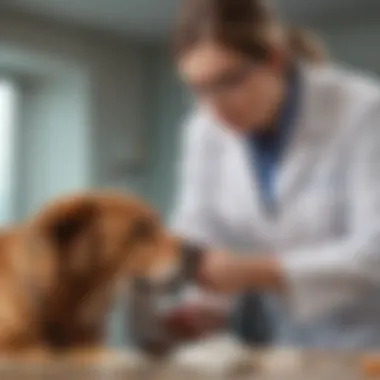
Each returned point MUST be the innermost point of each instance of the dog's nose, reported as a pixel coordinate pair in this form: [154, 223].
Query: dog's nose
[184, 269]
[191, 259]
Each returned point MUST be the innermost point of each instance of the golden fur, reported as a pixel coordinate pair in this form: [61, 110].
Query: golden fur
[59, 271]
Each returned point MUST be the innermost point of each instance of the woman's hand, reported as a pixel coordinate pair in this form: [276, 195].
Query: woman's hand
[194, 321]
[223, 272]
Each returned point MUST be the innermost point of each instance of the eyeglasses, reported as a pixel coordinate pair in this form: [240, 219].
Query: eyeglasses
[227, 83]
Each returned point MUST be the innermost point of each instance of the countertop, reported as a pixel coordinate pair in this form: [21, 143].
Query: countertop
[311, 366]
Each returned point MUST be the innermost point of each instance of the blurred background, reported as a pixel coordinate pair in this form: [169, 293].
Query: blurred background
[89, 96]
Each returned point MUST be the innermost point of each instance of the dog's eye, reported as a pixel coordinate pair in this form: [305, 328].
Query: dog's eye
[143, 229]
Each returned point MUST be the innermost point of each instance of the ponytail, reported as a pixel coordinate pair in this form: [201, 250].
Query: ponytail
[249, 27]
[306, 45]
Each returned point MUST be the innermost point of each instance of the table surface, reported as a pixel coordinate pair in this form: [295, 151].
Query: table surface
[314, 367]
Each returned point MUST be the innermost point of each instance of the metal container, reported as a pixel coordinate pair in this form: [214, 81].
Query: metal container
[149, 302]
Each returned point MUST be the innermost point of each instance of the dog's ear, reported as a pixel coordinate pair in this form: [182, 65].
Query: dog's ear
[52, 236]
[69, 223]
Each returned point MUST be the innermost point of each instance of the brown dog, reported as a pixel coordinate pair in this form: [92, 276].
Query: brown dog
[59, 272]
[18, 329]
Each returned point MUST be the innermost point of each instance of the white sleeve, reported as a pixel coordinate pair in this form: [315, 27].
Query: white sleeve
[324, 278]
[193, 216]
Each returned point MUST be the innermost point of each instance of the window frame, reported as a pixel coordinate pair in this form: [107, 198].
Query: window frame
[11, 171]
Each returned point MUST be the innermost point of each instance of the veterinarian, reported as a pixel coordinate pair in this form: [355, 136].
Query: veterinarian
[280, 161]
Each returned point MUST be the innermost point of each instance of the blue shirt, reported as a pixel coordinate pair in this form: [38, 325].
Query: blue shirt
[267, 147]
[252, 320]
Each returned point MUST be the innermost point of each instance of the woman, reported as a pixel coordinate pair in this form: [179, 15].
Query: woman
[281, 162]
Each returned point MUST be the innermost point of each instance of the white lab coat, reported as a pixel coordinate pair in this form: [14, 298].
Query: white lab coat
[326, 233]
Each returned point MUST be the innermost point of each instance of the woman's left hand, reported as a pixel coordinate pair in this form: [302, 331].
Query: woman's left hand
[223, 272]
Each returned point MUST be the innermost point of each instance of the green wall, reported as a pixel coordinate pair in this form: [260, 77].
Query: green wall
[169, 104]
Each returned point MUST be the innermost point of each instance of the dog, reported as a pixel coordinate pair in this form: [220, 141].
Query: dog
[18, 328]
[60, 270]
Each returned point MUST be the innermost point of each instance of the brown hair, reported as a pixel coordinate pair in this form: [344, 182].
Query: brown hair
[250, 27]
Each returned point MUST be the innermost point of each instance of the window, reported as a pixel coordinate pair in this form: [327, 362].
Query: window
[7, 129]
